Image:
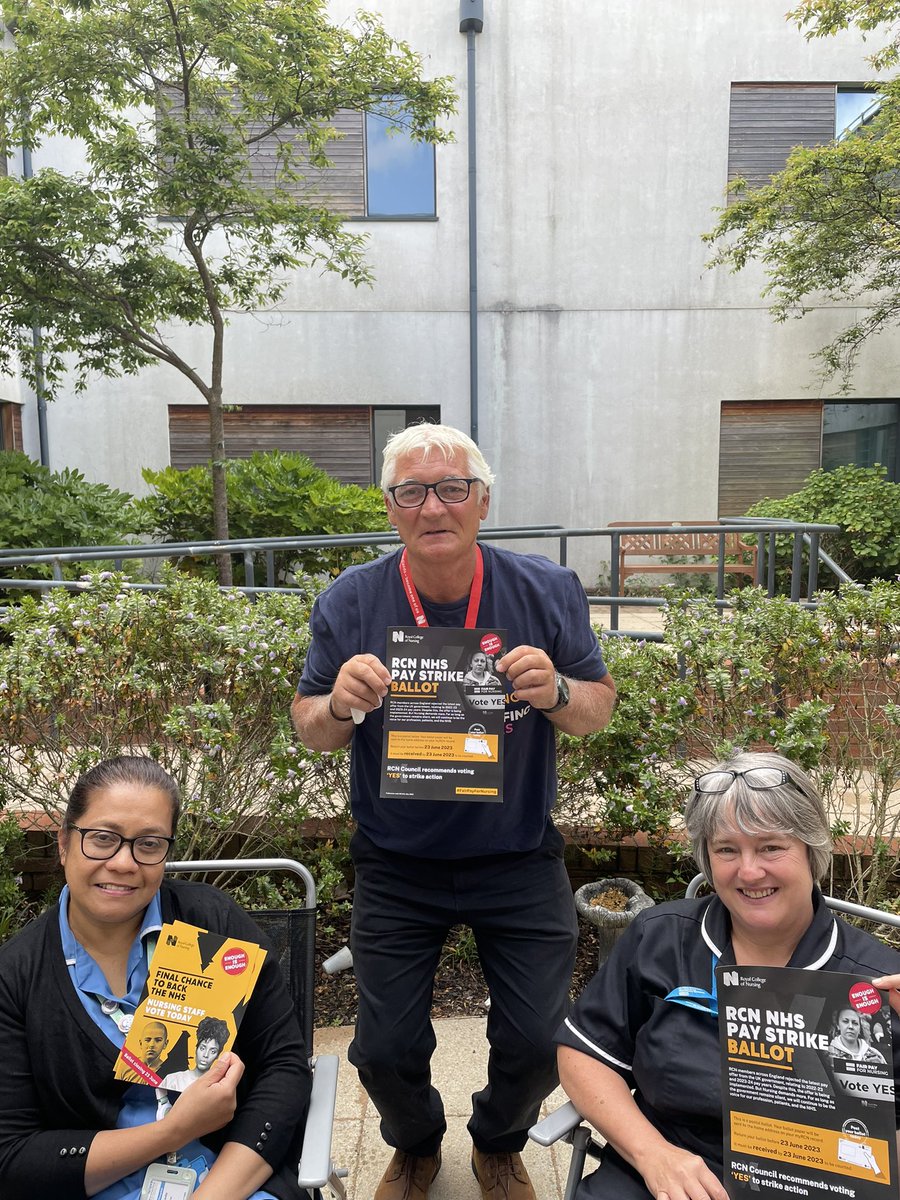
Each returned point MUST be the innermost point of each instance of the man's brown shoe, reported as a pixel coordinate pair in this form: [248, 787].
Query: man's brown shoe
[502, 1176]
[408, 1177]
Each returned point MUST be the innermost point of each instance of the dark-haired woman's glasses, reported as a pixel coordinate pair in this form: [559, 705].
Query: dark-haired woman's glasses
[760, 779]
[147, 850]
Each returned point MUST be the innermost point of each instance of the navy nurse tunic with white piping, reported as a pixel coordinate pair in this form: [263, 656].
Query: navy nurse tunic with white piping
[651, 1014]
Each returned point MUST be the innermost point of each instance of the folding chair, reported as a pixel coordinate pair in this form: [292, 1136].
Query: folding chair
[567, 1124]
[292, 933]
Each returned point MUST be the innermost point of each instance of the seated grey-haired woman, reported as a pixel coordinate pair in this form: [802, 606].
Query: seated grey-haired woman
[648, 1020]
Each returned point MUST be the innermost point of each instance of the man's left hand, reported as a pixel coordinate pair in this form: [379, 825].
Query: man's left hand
[532, 675]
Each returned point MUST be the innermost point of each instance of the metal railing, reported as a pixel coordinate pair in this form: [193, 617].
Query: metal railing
[248, 549]
[260, 553]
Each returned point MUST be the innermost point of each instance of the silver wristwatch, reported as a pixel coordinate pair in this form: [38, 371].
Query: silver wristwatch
[562, 695]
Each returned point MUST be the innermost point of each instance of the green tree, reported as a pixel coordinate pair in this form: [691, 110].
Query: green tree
[827, 228]
[822, 18]
[170, 100]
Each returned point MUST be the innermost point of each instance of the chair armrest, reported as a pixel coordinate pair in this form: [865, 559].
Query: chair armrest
[316, 1166]
[556, 1125]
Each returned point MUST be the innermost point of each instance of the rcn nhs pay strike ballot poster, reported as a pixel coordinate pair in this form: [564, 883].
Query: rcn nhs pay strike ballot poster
[443, 719]
[807, 1085]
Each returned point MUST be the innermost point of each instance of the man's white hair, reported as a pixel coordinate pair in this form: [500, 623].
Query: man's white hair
[430, 441]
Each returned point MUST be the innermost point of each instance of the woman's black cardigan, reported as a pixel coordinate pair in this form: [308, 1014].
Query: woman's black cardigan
[57, 1089]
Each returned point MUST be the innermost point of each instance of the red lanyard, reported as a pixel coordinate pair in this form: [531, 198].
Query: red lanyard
[415, 603]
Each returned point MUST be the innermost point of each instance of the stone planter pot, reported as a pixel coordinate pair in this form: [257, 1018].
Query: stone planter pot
[608, 922]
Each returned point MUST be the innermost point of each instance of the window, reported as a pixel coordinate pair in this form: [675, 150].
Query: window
[853, 109]
[864, 433]
[399, 170]
[377, 170]
[768, 448]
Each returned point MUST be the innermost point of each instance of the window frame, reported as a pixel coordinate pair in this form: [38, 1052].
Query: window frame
[370, 216]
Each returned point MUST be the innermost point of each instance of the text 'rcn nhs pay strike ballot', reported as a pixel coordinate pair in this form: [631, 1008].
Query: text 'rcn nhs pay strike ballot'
[193, 976]
[807, 1084]
[443, 720]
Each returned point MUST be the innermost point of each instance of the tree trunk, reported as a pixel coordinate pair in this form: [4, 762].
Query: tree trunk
[219, 486]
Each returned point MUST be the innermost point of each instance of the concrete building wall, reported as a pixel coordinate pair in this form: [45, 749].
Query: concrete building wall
[606, 348]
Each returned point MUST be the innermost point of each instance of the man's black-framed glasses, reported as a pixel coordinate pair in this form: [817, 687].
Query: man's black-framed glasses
[147, 850]
[448, 491]
[760, 779]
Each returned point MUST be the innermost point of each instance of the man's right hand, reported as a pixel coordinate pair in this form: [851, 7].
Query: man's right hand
[361, 683]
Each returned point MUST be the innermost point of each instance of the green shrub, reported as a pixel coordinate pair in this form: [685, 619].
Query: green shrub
[269, 495]
[201, 679]
[821, 687]
[14, 912]
[634, 769]
[40, 507]
[859, 772]
[864, 502]
[760, 675]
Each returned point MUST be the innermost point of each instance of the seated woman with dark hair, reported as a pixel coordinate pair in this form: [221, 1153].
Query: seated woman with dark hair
[648, 1020]
[69, 984]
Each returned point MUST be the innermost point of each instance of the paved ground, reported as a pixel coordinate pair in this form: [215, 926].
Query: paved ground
[458, 1068]
[643, 618]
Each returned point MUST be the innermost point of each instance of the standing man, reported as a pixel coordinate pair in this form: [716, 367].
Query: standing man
[423, 866]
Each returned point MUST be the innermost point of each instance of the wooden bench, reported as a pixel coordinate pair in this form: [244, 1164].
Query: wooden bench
[679, 541]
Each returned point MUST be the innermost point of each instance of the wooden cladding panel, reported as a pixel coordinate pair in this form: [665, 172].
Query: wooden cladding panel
[340, 187]
[10, 426]
[337, 439]
[766, 449]
[768, 120]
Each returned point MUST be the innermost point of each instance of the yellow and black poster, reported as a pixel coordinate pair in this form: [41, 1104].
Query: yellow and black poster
[807, 1084]
[197, 990]
[443, 721]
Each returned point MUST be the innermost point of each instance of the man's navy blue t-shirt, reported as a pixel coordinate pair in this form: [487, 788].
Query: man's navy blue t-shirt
[540, 604]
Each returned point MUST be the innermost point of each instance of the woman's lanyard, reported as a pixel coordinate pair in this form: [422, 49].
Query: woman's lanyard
[415, 603]
[694, 997]
[113, 1008]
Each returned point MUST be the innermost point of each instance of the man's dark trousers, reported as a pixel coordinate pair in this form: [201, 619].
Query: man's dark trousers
[521, 912]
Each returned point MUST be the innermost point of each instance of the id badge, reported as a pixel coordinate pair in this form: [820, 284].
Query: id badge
[162, 1182]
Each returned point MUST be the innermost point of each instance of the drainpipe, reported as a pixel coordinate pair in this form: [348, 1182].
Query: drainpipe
[471, 22]
[27, 173]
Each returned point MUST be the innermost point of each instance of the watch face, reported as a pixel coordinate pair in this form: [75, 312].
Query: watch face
[562, 696]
